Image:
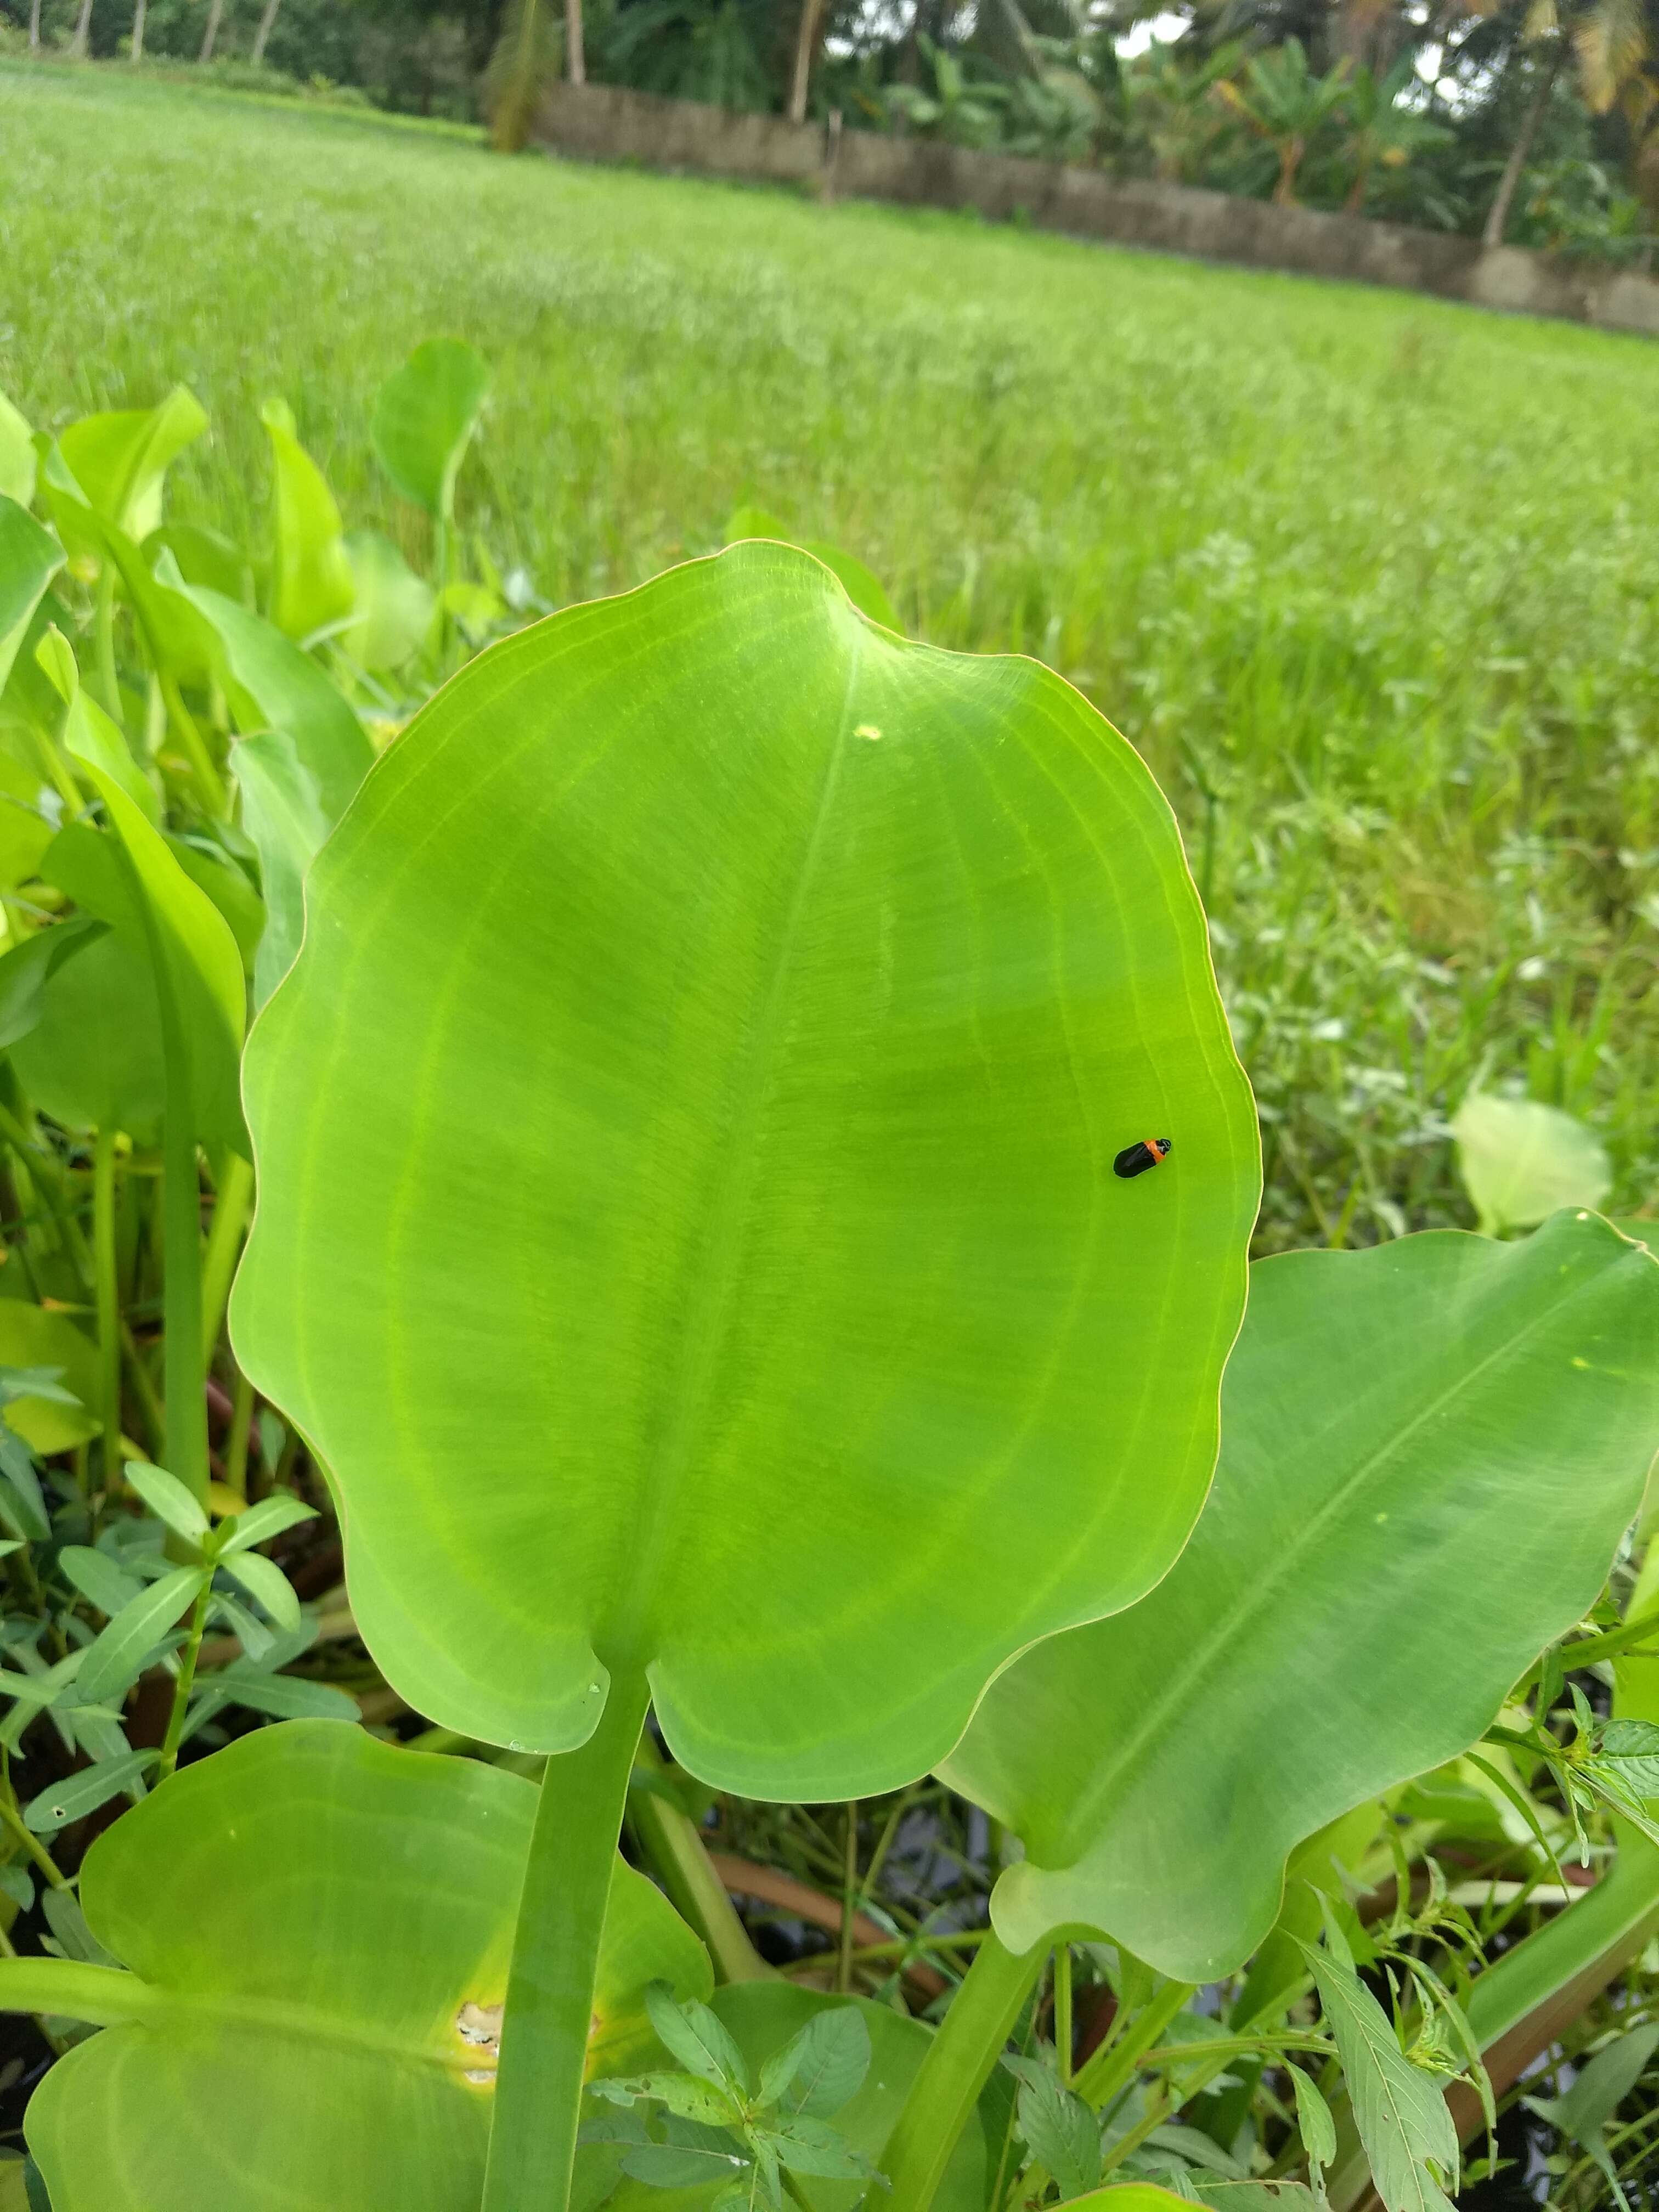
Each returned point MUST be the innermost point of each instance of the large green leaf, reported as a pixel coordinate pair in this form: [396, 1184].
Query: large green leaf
[29, 558]
[1520, 1161]
[692, 1115]
[1430, 1451]
[93, 1059]
[394, 606]
[424, 419]
[317, 1927]
[272, 686]
[311, 579]
[282, 812]
[119, 461]
[35, 1336]
[17, 455]
[196, 963]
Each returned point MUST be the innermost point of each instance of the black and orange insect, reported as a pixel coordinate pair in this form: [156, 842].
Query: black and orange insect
[1135, 1160]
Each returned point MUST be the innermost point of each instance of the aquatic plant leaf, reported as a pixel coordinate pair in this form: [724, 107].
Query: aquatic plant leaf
[691, 1114]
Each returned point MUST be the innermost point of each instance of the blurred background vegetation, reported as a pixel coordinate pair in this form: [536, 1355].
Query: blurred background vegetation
[1532, 122]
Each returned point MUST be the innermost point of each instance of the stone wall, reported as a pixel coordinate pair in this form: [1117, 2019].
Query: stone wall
[604, 123]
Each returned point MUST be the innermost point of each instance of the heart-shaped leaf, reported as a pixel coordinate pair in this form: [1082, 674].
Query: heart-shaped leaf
[1521, 1160]
[1430, 1451]
[716, 1023]
[118, 461]
[317, 1926]
[424, 419]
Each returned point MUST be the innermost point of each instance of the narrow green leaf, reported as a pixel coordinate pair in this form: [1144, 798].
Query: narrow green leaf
[1315, 2125]
[1404, 2123]
[112, 1662]
[168, 1499]
[73, 1798]
[265, 1582]
[284, 1697]
[269, 1518]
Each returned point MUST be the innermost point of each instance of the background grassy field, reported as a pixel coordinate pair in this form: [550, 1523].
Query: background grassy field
[1370, 581]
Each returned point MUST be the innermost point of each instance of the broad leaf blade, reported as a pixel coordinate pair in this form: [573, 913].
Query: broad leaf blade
[424, 419]
[311, 580]
[27, 968]
[1401, 2113]
[1522, 1160]
[342, 2066]
[730, 1093]
[118, 461]
[29, 558]
[1394, 1422]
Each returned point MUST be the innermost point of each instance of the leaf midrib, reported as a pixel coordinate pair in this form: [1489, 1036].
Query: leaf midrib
[1262, 1591]
[302, 2024]
[698, 1352]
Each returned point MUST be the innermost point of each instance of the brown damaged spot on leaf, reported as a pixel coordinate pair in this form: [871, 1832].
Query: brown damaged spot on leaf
[479, 2027]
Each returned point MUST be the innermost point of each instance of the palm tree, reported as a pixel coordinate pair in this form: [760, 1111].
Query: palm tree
[1283, 100]
[806, 46]
[267, 18]
[1380, 132]
[1171, 107]
[1611, 39]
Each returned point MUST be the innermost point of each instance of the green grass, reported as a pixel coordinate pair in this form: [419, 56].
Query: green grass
[1370, 580]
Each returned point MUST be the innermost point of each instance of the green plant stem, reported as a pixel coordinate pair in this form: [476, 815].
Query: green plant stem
[671, 1842]
[1063, 2037]
[958, 2065]
[106, 1995]
[556, 1954]
[233, 1203]
[185, 1369]
[45, 1173]
[51, 759]
[143, 1389]
[108, 682]
[242, 1426]
[849, 1899]
[209, 785]
[182, 1687]
[108, 1293]
[1112, 2065]
[30, 1842]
